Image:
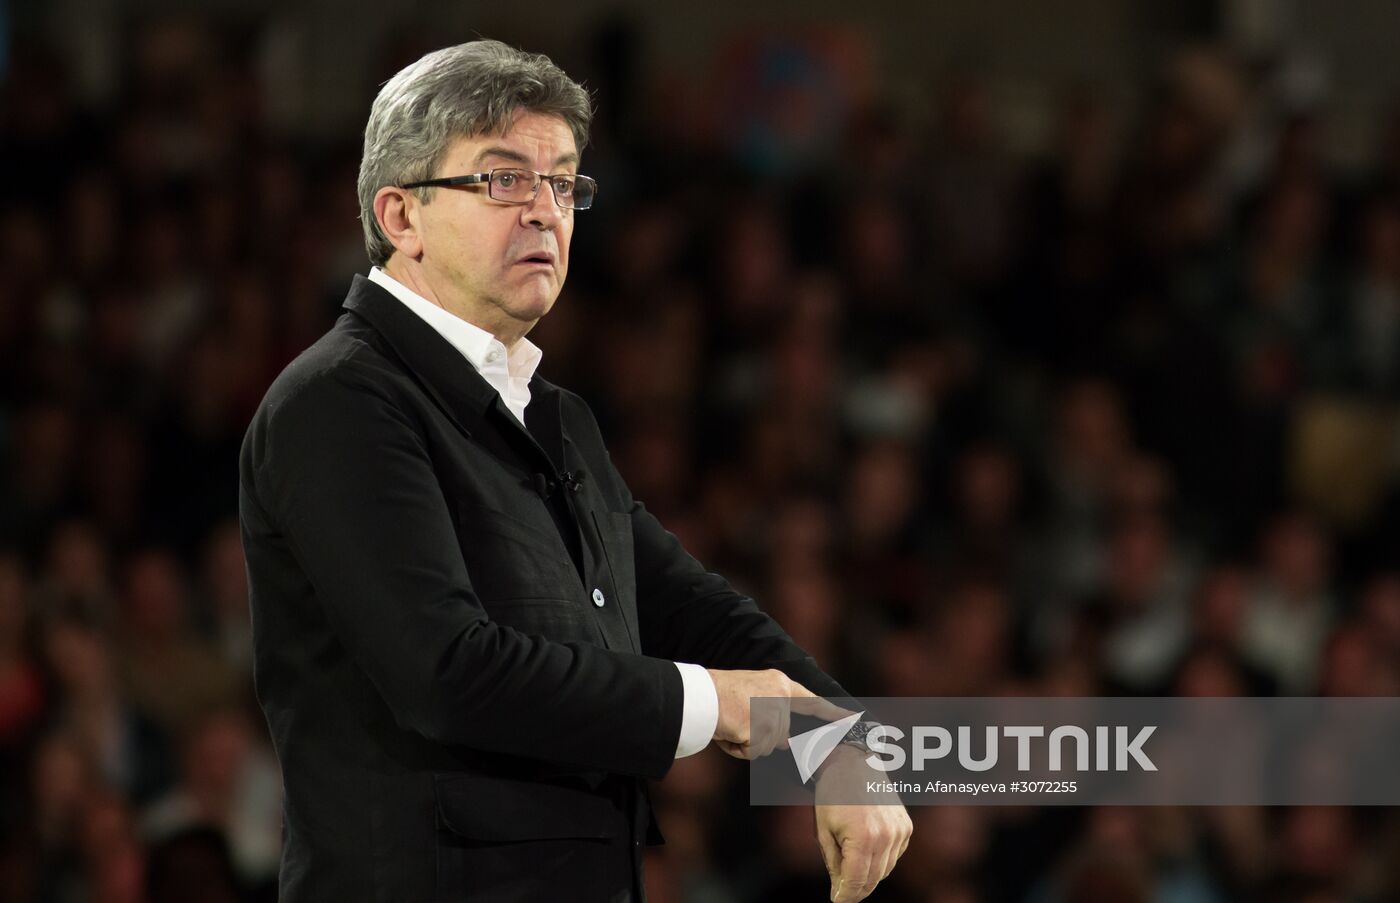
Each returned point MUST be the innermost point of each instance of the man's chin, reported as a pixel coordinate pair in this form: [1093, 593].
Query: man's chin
[528, 310]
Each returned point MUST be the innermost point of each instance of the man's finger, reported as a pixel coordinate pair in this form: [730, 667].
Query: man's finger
[805, 702]
[845, 889]
[734, 749]
[780, 731]
[854, 881]
[767, 731]
[902, 847]
[882, 865]
[894, 859]
[831, 852]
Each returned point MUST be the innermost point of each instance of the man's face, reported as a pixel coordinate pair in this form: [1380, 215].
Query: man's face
[500, 266]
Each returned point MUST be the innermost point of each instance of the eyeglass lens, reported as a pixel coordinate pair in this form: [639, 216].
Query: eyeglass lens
[517, 186]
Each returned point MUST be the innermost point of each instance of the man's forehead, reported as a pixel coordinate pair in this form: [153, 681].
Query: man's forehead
[529, 136]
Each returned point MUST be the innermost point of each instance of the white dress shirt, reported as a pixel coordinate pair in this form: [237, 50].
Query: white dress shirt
[509, 373]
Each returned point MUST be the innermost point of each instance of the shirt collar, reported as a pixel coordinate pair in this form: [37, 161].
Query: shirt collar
[485, 352]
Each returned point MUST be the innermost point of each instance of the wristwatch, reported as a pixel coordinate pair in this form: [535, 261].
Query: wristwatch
[859, 734]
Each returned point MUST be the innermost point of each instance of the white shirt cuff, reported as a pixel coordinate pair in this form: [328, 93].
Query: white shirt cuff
[701, 712]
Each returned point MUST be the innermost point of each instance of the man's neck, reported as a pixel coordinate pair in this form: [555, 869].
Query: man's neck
[410, 274]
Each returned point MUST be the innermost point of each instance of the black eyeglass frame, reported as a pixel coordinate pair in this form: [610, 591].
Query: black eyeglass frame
[478, 178]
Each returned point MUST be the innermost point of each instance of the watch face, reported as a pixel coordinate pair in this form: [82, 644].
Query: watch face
[856, 736]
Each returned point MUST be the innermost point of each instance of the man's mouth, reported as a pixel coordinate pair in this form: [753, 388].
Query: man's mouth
[541, 259]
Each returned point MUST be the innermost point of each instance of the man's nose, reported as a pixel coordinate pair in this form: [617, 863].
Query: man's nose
[542, 212]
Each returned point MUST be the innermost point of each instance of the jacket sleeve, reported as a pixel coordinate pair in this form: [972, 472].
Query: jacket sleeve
[347, 476]
[690, 614]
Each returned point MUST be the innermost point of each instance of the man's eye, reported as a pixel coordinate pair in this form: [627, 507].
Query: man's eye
[505, 179]
[564, 186]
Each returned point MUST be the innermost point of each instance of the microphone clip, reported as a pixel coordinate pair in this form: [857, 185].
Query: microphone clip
[571, 480]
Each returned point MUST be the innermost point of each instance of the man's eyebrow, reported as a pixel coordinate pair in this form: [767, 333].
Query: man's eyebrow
[504, 153]
[517, 157]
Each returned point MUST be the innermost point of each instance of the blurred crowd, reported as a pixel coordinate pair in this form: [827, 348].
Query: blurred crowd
[1115, 418]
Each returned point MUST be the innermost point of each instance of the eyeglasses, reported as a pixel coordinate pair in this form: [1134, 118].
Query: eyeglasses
[519, 186]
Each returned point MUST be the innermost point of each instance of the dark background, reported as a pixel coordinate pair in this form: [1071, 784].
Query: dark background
[1014, 348]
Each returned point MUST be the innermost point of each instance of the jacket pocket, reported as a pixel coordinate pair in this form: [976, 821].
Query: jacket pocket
[616, 530]
[503, 840]
[518, 841]
[508, 809]
[508, 558]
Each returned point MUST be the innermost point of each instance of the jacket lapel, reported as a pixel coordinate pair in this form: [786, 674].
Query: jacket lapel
[545, 421]
[448, 378]
[472, 404]
[478, 411]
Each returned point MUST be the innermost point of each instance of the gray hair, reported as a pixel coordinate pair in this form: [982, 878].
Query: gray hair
[463, 91]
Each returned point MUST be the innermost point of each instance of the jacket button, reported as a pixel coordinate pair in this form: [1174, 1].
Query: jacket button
[598, 599]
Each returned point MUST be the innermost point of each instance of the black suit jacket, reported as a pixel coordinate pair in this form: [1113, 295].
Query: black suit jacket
[464, 630]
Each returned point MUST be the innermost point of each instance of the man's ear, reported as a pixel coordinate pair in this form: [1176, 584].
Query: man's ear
[396, 209]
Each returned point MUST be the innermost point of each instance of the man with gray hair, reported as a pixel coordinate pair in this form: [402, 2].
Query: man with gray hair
[472, 644]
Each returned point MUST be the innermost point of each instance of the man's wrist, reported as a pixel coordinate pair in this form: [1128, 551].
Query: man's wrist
[844, 754]
[700, 709]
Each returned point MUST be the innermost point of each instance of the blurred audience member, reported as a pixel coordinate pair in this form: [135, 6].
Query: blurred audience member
[128, 750]
[171, 674]
[228, 782]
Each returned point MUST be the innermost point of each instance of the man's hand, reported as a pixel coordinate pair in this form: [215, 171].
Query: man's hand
[860, 843]
[736, 690]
